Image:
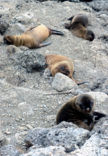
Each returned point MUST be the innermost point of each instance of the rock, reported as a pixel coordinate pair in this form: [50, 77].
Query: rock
[2, 139]
[11, 49]
[15, 29]
[101, 100]
[25, 108]
[9, 150]
[30, 61]
[47, 151]
[25, 18]
[63, 83]
[99, 5]
[97, 144]
[47, 73]
[16, 79]
[70, 137]
[3, 26]
[101, 128]
[1, 39]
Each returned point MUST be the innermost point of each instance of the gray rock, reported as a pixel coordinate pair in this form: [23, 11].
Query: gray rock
[1, 40]
[15, 29]
[101, 100]
[68, 137]
[2, 139]
[3, 26]
[25, 108]
[16, 79]
[9, 150]
[99, 5]
[11, 49]
[97, 144]
[47, 151]
[63, 83]
[31, 61]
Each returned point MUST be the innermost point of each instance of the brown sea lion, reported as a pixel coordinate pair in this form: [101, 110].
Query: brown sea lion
[80, 111]
[58, 63]
[33, 37]
[77, 26]
[62, 64]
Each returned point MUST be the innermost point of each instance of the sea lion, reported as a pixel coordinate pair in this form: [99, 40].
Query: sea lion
[78, 26]
[33, 37]
[80, 18]
[58, 63]
[62, 64]
[78, 110]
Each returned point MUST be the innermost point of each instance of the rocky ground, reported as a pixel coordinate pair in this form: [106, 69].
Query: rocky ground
[31, 99]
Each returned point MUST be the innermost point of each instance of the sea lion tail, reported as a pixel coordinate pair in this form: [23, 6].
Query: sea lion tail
[56, 32]
[44, 44]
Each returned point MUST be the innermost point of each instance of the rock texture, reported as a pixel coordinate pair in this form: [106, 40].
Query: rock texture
[66, 135]
[63, 83]
[27, 98]
[9, 150]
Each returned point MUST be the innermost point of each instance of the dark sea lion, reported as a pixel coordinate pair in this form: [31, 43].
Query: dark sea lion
[80, 111]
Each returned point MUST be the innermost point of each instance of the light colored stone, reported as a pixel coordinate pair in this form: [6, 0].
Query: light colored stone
[63, 83]
[101, 101]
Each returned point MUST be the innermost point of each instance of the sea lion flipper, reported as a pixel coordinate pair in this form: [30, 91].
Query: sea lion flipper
[98, 115]
[44, 44]
[70, 18]
[56, 32]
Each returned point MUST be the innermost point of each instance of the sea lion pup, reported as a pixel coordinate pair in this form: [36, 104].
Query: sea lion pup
[80, 18]
[33, 37]
[77, 26]
[61, 64]
[78, 110]
[58, 63]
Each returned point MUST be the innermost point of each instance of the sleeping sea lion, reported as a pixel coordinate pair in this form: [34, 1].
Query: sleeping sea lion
[59, 63]
[33, 37]
[78, 26]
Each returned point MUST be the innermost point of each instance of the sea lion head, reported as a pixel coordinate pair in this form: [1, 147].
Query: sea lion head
[8, 39]
[84, 103]
[90, 35]
[61, 67]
